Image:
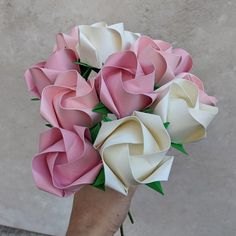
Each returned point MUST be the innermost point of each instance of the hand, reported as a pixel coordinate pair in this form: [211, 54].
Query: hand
[98, 213]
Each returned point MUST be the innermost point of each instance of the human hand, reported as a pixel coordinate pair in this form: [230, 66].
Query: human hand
[98, 213]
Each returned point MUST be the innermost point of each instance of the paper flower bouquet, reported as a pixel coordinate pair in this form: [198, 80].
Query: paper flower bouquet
[115, 102]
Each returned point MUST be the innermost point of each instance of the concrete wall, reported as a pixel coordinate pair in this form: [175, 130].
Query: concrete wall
[200, 196]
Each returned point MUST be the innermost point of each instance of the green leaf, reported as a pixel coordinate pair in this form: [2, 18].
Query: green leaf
[166, 124]
[100, 180]
[86, 73]
[34, 99]
[48, 125]
[100, 108]
[156, 186]
[156, 86]
[85, 65]
[148, 110]
[95, 69]
[106, 119]
[94, 131]
[82, 64]
[179, 147]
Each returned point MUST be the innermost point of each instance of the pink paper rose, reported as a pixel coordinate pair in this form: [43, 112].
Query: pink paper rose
[66, 161]
[70, 101]
[44, 73]
[124, 86]
[204, 98]
[168, 62]
[68, 41]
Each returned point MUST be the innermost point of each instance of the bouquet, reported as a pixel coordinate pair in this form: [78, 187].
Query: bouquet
[115, 103]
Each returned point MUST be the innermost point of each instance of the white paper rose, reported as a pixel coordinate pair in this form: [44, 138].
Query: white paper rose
[178, 103]
[99, 40]
[133, 151]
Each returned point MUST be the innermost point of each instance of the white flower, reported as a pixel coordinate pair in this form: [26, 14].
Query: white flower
[178, 103]
[133, 151]
[98, 41]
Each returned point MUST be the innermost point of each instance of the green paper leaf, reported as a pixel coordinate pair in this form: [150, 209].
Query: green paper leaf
[100, 180]
[100, 108]
[82, 64]
[94, 131]
[156, 186]
[85, 65]
[156, 86]
[95, 69]
[86, 73]
[48, 125]
[166, 124]
[106, 119]
[148, 110]
[179, 147]
[34, 99]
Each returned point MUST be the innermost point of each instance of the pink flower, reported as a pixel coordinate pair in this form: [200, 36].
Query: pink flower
[44, 73]
[168, 62]
[204, 98]
[70, 101]
[68, 41]
[124, 86]
[66, 161]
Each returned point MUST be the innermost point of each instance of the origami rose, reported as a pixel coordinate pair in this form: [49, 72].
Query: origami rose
[66, 161]
[70, 101]
[68, 41]
[44, 73]
[168, 62]
[124, 86]
[204, 98]
[133, 151]
[178, 103]
[98, 41]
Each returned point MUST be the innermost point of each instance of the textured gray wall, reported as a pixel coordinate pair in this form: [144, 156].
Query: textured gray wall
[200, 196]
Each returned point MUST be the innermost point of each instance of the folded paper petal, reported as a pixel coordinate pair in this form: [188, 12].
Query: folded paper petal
[68, 41]
[44, 73]
[168, 62]
[204, 98]
[70, 102]
[133, 151]
[123, 86]
[178, 103]
[66, 161]
[98, 41]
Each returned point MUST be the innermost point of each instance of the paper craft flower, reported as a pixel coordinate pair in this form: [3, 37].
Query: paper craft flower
[168, 61]
[178, 103]
[66, 161]
[98, 41]
[133, 151]
[204, 98]
[124, 86]
[70, 101]
[68, 41]
[100, 85]
[44, 73]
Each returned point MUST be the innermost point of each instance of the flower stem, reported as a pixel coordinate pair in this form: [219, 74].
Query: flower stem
[122, 230]
[130, 217]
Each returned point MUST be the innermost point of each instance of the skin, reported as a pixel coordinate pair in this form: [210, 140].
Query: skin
[98, 213]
